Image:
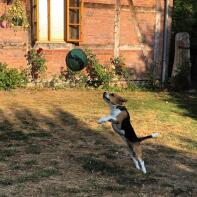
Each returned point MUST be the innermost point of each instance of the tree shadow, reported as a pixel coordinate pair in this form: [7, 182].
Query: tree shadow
[147, 73]
[185, 101]
[66, 156]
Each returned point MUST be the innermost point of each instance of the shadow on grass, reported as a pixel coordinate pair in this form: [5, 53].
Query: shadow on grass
[37, 148]
[187, 102]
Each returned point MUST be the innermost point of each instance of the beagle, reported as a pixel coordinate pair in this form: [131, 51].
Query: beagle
[120, 119]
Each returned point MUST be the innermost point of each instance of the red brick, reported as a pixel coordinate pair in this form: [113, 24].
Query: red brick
[98, 34]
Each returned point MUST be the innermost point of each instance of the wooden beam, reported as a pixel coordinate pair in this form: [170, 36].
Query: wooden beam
[135, 23]
[117, 29]
[81, 15]
[37, 21]
[49, 20]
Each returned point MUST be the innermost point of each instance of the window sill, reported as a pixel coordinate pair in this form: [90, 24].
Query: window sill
[53, 45]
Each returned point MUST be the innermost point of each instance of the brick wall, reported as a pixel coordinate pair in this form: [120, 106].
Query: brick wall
[55, 60]
[13, 46]
[13, 43]
[99, 18]
[99, 35]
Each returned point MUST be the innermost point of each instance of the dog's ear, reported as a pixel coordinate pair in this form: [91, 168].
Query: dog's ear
[122, 100]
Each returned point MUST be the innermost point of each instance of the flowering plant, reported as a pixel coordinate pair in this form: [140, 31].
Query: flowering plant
[36, 61]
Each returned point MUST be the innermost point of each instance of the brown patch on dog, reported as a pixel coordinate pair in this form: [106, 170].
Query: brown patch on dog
[138, 150]
[116, 99]
[135, 148]
[121, 117]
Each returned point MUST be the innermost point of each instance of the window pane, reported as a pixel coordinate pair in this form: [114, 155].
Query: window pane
[74, 3]
[74, 24]
[74, 16]
[74, 32]
[43, 20]
[57, 20]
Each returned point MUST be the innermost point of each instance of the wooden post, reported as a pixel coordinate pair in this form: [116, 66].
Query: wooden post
[182, 57]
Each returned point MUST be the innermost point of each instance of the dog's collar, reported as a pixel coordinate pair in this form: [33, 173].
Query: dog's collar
[119, 107]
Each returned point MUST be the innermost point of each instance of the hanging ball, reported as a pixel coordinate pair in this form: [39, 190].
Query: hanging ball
[76, 60]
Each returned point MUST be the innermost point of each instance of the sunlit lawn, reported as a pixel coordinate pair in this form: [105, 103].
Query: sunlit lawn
[51, 145]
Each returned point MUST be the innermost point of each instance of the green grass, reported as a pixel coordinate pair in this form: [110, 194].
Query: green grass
[16, 135]
[51, 144]
[94, 165]
[5, 181]
[4, 153]
[30, 163]
[33, 149]
[37, 175]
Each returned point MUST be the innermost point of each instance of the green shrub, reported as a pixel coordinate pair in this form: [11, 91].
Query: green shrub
[36, 61]
[98, 75]
[118, 66]
[73, 79]
[152, 79]
[11, 78]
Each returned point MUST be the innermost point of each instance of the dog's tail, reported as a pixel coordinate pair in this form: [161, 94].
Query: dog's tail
[153, 135]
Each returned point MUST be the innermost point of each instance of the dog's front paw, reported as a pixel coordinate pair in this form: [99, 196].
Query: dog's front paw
[101, 120]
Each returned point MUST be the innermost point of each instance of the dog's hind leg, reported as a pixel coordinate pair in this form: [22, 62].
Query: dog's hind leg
[143, 168]
[133, 155]
[135, 162]
[138, 151]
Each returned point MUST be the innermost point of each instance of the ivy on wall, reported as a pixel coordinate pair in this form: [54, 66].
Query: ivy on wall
[16, 15]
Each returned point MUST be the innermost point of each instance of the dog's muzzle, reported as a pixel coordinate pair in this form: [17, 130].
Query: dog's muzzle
[106, 97]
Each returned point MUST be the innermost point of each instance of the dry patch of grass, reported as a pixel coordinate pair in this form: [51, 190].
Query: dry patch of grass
[51, 145]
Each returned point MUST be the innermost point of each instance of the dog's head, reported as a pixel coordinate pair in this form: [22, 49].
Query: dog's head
[113, 99]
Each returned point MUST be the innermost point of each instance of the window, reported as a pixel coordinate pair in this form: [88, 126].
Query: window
[57, 20]
[74, 20]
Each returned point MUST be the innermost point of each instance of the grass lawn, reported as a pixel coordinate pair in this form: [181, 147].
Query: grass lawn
[51, 145]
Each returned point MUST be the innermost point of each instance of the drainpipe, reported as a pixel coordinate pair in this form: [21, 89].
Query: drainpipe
[165, 43]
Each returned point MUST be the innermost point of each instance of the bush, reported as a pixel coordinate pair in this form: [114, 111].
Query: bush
[118, 66]
[11, 78]
[36, 61]
[73, 79]
[98, 75]
[153, 82]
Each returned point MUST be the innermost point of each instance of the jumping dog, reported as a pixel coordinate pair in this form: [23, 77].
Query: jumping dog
[120, 119]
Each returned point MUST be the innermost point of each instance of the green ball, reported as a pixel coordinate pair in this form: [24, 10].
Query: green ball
[76, 60]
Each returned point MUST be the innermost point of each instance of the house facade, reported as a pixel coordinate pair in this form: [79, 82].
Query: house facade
[136, 30]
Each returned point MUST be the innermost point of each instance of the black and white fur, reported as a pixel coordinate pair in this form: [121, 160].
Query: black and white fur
[120, 119]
